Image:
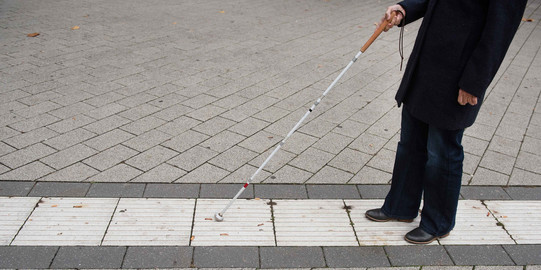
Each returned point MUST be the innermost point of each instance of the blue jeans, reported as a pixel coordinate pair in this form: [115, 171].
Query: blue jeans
[429, 160]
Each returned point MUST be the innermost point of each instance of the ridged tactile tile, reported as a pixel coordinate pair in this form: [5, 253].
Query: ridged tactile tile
[67, 222]
[312, 223]
[372, 233]
[13, 213]
[246, 223]
[151, 222]
[521, 219]
[475, 225]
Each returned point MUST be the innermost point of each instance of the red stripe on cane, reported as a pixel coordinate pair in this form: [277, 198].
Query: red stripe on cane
[246, 185]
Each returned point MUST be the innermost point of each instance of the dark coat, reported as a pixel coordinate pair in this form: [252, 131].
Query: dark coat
[460, 44]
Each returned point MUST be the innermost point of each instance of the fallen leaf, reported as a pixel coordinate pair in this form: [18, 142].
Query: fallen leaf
[193, 237]
[224, 234]
[257, 199]
[75, 27]
[208, 218]
[174, 22]
[33, 34]
[488, 214]
[359, 26]
[86, 16]
[222, 11]
[270, 137]
[319, 66]
[77, 206]
[260, 224]
[527, 20]
[54, 205]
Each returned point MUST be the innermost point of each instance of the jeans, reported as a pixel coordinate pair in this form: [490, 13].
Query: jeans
[429, 160]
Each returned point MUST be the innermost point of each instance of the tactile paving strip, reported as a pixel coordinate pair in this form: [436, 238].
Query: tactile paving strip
[372, 233]
[312, 223]
[67, 222]
[521, 219]
[246, 223]
[476, 225]
[150, 222]
[13, 214]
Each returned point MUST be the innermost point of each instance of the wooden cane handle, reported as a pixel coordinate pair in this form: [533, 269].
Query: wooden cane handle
[377, 32]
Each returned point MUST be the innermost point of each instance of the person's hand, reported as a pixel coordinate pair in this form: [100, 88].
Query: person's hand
[396, 20]
[466, 98]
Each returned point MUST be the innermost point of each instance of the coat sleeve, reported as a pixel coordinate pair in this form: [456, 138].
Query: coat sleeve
[502, 21]
[415, 9]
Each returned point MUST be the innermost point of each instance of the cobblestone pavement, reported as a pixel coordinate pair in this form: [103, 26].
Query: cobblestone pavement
[175, 98]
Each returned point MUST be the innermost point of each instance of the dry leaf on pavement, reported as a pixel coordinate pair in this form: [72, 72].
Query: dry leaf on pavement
[33, 34]
[75, 27]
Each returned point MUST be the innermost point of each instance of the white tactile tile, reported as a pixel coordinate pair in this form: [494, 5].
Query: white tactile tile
[372, 233]
[312, 223]
[67, 222]
[246, 223]
[148, 222]
[476, 226]
[521, 219]
[13, 213]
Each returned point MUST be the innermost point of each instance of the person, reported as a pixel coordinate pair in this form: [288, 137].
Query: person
[458, 50]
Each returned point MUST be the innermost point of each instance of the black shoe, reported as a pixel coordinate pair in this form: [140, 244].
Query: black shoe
[419, 236]
[379, 216]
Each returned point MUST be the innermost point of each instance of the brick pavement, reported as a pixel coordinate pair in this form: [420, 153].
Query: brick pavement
[196, 93]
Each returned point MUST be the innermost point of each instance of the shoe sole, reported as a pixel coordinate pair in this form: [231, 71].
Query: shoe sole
[427, 242]
[390, 219]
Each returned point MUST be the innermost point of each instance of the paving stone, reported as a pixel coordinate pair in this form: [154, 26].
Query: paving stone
[151, 158]
[505, 146]
[226, 257]
[26, 257]
[369, 175]
[317, 128]
[524, 193]
[383, 160]
[291, 257]
[278, 161]
[483, 193]
[110, 157]
[288, 174]
[243, 174]
[330, 175]
[368, 143]
[109, 139]
[28, 172]
[70, 138]
[225, 191]
[524, 254]
[526, 178]
[312, 160]
[223, 141]
[171, 191]
[185, 141]
[34, 123]
[498, 162]
[12, 188]
[479, 255]
[163, 173]
[147, 140]
[374, 191]
[107, 124]
[350, 128]
[139, 112]
[51, 189]
[265, 191]
[248, 126]
[71, 123]
[333, 143]
[487, 177]
[118, 173]
[528, 162]
[233, 158]
[418, 255]
[116, 190]
[206, 113]
[30, 138]
[174, 112]
[206, 173]
[193, 158]
[484, 267]
[349, 257]
[158, 257]
[68, 156]
[143, 125]
[75, 173]
[350, 160]
[89, 257]
[299, 142]
[260, 141]
[474, 146]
